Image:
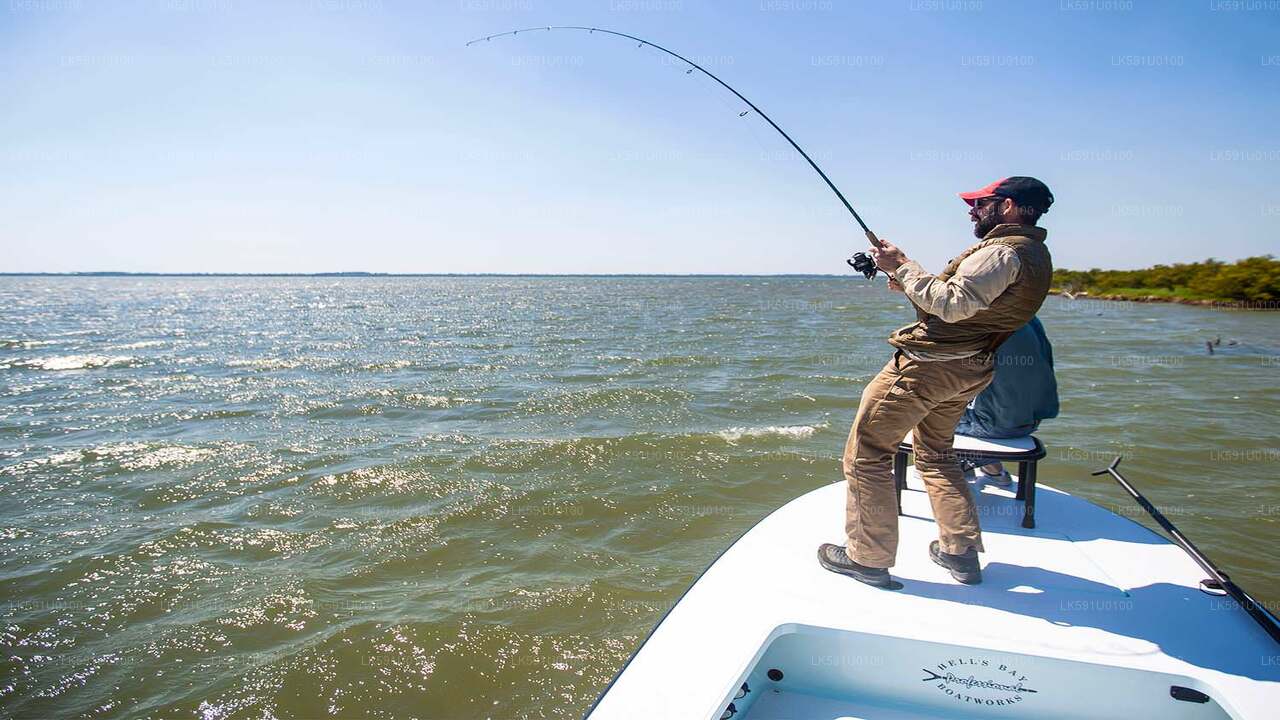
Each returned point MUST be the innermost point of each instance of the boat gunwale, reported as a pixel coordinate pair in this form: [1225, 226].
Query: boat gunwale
[696, 580]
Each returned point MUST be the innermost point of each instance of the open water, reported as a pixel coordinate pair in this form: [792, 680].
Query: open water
[450, 497]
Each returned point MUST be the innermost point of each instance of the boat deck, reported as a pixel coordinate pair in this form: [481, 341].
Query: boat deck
[1086, 587]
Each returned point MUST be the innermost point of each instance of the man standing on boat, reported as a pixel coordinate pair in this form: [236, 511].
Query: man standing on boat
[940, 363]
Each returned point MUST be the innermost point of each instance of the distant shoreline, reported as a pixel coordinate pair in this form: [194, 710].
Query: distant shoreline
[398, 275]
[1224, 304]
[1135, 297]
[1252, 283]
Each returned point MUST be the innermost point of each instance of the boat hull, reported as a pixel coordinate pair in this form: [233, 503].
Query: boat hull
[1085, 604]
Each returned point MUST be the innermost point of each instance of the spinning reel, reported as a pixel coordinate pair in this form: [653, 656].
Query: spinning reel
[863, 263]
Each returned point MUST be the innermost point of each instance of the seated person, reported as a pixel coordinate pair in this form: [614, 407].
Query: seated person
[1022, 392]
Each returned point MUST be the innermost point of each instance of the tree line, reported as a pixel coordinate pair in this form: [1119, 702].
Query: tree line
[1253, 279]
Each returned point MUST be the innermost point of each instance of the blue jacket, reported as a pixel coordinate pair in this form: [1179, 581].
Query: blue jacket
[1023, 391]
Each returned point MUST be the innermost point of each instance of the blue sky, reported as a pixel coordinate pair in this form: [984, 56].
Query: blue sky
[319, 135]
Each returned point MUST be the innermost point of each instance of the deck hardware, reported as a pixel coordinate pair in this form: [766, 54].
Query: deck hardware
[1246, 602]
[1186, 694]
[1209, 586]
[742, 692]
[774, 674]
[729, 712]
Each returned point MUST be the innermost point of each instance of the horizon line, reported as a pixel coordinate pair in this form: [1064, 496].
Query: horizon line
[362, 274]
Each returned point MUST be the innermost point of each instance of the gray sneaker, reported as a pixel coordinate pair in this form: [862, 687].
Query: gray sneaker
[964, 567]
[835, 559]
[1004, 479]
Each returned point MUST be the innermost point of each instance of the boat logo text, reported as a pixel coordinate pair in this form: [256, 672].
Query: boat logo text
[978, 681]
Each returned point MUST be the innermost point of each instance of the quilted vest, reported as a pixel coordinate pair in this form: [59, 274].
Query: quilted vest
[1009, 311]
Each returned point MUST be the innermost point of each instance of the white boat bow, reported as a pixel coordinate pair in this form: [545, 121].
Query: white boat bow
[1089, 615]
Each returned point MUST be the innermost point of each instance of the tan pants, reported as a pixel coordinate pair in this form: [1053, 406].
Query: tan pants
[929, 397]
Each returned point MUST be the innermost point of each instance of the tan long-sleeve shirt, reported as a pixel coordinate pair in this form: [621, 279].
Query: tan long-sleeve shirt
[979, 280]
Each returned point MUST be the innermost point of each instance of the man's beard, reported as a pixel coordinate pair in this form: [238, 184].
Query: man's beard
[988, 218]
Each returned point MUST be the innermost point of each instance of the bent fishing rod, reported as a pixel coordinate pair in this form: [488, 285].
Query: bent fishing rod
[860, 261]
[1218, 579]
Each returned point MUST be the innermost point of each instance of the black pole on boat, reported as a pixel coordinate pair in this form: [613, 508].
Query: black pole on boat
[871, 237]
[1219, 580]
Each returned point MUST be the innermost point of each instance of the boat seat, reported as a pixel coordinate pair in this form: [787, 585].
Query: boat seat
[1026, 451]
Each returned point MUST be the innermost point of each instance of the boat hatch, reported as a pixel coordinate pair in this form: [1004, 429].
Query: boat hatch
[814, 672]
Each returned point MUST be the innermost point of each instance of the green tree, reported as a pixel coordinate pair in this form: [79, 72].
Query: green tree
[1254, 279]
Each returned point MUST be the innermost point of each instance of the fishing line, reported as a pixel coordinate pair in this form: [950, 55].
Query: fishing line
[859, 261]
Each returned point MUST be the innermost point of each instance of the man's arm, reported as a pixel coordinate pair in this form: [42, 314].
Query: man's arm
[979, 280]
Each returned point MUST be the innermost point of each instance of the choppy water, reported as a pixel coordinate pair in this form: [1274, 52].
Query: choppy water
[472, 497]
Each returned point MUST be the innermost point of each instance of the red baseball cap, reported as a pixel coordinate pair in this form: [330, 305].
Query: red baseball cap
[1026, 191]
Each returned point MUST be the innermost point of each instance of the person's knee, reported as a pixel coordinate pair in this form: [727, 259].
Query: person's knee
[868, 456]
[878, 439]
